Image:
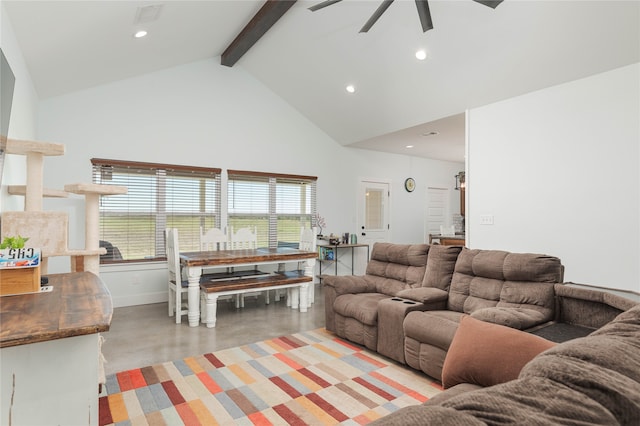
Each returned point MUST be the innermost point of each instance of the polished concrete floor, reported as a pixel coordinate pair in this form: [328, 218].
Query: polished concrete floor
[145, 335]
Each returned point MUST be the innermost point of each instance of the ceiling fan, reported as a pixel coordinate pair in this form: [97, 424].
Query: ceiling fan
[422, 5]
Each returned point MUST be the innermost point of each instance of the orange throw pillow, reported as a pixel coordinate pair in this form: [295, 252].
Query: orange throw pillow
[486, 354]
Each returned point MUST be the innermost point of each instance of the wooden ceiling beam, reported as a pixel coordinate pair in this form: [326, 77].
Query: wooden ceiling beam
[266, 17]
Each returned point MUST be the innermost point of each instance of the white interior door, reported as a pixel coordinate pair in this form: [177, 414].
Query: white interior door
[373, 221]
[437, 210]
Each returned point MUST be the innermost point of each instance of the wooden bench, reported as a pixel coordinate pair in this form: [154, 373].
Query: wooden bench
[214, 288]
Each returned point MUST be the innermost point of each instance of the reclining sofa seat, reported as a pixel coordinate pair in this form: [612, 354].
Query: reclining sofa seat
[412, 272]
[511, 289]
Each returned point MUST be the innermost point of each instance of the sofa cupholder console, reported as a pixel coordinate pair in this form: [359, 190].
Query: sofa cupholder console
[391, 314]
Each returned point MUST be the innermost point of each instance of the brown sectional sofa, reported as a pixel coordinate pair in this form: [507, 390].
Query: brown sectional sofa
[411, 298]
[409, 304]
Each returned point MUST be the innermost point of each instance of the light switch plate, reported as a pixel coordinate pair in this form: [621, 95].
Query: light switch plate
[486, 219]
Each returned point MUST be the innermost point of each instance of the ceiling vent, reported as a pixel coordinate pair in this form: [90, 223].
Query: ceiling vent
[146, 14]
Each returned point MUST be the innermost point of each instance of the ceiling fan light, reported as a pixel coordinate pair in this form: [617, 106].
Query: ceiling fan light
[421, 55]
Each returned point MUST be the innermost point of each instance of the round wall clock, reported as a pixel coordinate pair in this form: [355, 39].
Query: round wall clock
[409, 184]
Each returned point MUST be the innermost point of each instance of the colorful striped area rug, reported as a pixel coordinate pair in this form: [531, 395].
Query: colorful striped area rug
[308, 378]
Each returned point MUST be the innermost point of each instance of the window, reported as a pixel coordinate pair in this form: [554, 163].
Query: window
[159, 196]
[277, 205]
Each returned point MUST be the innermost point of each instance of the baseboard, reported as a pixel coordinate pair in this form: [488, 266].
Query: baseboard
[140, 299]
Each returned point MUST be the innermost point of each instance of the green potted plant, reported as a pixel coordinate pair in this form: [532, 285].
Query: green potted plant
[13, 242]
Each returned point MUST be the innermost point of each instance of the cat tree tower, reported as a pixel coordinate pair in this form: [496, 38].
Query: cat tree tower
[49, 230]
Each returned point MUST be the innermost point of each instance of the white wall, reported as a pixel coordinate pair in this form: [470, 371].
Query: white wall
[558, 169]
[203, 114]
[23, 113]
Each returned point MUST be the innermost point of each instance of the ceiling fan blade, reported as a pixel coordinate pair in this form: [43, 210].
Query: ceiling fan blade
[323, 5]
[376, 15]
[491, 3]
[425, 15]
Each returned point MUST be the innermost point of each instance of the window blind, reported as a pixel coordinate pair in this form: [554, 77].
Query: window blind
[278, 205]
[159, 196]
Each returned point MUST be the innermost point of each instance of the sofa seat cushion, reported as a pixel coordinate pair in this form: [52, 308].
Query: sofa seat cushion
[518, 318]
[487, 354]
[435, 328]
[362, 306]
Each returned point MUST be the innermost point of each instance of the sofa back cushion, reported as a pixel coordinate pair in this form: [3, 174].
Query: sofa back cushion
[395, 267]
[441, 263]
[492, 278]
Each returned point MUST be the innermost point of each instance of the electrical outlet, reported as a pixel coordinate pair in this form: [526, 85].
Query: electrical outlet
[486, 219]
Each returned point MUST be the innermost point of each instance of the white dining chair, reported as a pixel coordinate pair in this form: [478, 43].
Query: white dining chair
[308, 241]
[213, 239]
[176, 285]
[244, 239]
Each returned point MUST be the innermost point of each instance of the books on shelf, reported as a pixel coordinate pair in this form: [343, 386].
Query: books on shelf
[326, 253]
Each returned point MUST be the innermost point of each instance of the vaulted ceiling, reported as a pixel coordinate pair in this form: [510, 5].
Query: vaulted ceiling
[475, 55]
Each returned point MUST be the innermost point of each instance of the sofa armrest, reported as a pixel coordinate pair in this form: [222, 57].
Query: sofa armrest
[518, 318]
[432, 298]
[349, 284]
[588, 307]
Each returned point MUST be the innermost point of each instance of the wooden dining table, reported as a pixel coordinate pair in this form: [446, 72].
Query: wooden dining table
[194, 262]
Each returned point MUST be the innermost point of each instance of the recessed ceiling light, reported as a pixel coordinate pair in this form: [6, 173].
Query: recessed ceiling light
[409, 146]
[421, 54]
[140, 33]
[350, 88]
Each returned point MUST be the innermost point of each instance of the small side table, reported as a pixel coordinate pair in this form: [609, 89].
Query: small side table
[336, 248]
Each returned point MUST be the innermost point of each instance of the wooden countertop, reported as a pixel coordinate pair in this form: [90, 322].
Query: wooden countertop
[450, 237]
[79, 304]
